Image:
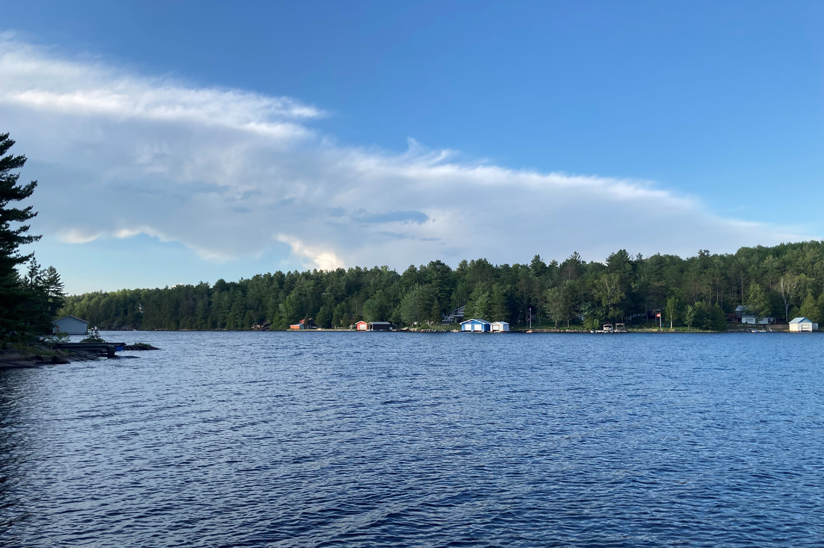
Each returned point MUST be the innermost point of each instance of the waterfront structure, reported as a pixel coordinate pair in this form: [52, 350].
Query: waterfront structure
[500, 327]
[745, 316]
[380, 326]
[803, 325]
[70, 325]
[361, 326]
[303, 324]
[750, 319]
[476, 326]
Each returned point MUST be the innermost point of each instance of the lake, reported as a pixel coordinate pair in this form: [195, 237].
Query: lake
[379, 439]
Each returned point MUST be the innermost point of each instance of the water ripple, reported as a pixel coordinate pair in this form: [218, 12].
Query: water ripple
[356, 439]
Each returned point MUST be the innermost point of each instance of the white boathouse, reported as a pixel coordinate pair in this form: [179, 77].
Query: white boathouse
[500, 327]
[803, 325]
[70, 325]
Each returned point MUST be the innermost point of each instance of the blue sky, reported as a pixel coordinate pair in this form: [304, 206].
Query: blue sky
[323, 134]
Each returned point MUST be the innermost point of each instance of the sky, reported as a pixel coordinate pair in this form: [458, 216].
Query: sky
[178, 142]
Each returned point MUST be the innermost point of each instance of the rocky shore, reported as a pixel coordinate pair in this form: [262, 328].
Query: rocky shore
[39, 355]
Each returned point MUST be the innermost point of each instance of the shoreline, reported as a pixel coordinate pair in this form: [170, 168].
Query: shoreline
[34, 356]
[39, 357]
[533, 331]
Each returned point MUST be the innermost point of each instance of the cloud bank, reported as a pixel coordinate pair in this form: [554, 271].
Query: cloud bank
[233, 173]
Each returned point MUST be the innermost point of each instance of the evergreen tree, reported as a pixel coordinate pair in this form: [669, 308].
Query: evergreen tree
[810, 308]
[20, 299]
[717, 320]
[497, 302]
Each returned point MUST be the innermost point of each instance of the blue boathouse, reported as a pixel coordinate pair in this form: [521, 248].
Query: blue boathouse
[476, 326]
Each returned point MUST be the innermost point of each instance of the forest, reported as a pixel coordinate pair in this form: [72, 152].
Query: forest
[700, 292]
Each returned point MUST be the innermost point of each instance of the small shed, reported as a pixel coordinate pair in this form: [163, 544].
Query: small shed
[71, 326]
[803, 325]
[380, 326]
[361, 326]
[500, 327]
[476, 326]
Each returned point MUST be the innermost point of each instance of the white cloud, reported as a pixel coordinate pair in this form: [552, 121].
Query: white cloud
[321, 259]
[229, 172]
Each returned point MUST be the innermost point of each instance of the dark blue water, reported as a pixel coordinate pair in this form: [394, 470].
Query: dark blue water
[378, 439]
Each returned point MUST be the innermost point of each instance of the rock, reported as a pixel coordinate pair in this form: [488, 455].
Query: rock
[139, 346]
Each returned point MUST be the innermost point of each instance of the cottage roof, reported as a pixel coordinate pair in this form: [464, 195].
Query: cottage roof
[476, 320]
[379, 323]
[801, 319]
[500, 323]
[72, 317]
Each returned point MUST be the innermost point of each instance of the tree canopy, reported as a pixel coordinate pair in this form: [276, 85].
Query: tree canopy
[701, 291]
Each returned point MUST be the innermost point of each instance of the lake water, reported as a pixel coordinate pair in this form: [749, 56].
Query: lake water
[379, 439]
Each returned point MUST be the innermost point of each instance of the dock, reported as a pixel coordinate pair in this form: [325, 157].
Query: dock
[107, 348]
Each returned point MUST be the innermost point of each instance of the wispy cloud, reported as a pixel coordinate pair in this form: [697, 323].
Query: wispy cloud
[230, 172]
[34, 79]
[78, 235]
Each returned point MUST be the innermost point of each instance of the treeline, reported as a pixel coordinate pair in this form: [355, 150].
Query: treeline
[699, 292]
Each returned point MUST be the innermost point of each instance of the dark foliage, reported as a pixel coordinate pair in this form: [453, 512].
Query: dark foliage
[702, 291]
[27, 303]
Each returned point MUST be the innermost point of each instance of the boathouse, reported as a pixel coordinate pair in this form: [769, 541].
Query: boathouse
[476, 326]
[70, 325]
[500, 327]
[361, 326]
[803, 325]
[303, 324]
[380, 326]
